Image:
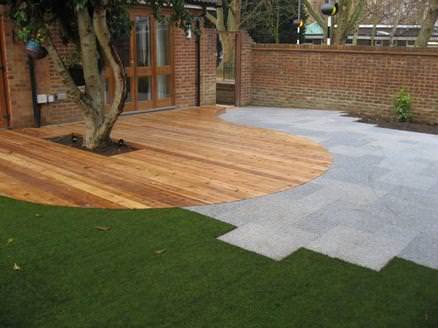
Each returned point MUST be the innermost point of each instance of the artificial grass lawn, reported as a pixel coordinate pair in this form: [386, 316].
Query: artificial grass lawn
[77, 276]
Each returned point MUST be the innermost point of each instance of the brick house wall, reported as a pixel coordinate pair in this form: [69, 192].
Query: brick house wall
[357, 80]
[17, 89]
[185, 68]
[49, 82]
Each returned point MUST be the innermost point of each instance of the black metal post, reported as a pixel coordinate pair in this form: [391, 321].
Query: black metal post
[198, 61]
[33, 82]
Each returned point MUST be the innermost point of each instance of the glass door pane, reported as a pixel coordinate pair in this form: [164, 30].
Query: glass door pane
[163, 52]
[163, 86]
[144, 62]
[144, 88]
[143, 38]
[164, 71]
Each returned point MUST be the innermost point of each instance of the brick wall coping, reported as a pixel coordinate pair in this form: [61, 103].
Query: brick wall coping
[347, 49]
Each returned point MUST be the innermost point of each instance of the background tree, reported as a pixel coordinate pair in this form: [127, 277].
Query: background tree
[428, 23]
[266, 20]
[384, 12]
[227, 22]
[91, 25]
[347, 20]
[271, 21]
[394, 13]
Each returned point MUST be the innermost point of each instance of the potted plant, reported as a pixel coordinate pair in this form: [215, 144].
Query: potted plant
[34, 44]
[35, 50]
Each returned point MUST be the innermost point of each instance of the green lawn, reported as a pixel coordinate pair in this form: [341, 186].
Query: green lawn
[164, 268]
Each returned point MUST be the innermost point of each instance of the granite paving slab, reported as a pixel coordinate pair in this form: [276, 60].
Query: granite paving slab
[379, 200]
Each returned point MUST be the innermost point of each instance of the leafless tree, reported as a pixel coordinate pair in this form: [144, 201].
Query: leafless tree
[349, 15]
[428, 23]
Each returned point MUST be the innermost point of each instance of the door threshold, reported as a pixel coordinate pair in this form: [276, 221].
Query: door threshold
[137, 112]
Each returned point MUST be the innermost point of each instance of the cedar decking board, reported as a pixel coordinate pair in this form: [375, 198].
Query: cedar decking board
[187, 157]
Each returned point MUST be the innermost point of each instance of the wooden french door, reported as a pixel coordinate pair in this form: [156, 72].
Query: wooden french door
[148, 57]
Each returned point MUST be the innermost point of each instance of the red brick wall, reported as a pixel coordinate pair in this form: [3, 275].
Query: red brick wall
[245, 67]
[208, 67]
[18, 89]
[362, 80]
[185, 68]
[49, 82]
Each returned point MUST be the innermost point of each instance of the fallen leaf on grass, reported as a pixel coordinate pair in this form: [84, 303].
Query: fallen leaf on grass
[16, 267]
[160, 251]
[105, 229]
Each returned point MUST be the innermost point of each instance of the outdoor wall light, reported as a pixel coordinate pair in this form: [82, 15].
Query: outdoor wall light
[189, 31]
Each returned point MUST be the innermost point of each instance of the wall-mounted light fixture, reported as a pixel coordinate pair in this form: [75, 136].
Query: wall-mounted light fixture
[189, 31]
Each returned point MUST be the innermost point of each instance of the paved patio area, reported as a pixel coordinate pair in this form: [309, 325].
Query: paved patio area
[379, 200]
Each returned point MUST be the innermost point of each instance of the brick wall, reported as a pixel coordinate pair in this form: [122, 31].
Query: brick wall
[358, 80]
[245, 68]
[18, 89]
[49, 81]
[208, 67]
[185, 68]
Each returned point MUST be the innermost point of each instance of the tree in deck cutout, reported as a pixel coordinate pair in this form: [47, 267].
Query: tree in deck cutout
[92, 26]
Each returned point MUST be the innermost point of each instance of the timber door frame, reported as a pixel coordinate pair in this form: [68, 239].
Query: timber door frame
[153, 71]
[3, 90]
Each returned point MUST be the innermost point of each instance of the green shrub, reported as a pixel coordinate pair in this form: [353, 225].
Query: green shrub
[403, 106]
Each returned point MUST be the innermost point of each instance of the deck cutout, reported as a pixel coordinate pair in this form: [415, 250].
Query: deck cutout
[117, 147]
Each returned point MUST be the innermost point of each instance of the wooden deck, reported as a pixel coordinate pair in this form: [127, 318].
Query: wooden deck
[187, 157]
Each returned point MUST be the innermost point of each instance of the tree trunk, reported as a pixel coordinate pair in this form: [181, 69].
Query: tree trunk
[100, 134]
[316, 16]
[396, 23]
[373, 35]
[428, 25]
[355, 37]
[347, 19]
[95, 136]
[228, 41]
[226, 30]
[93, 81]
[98, 122]
[277, 24]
